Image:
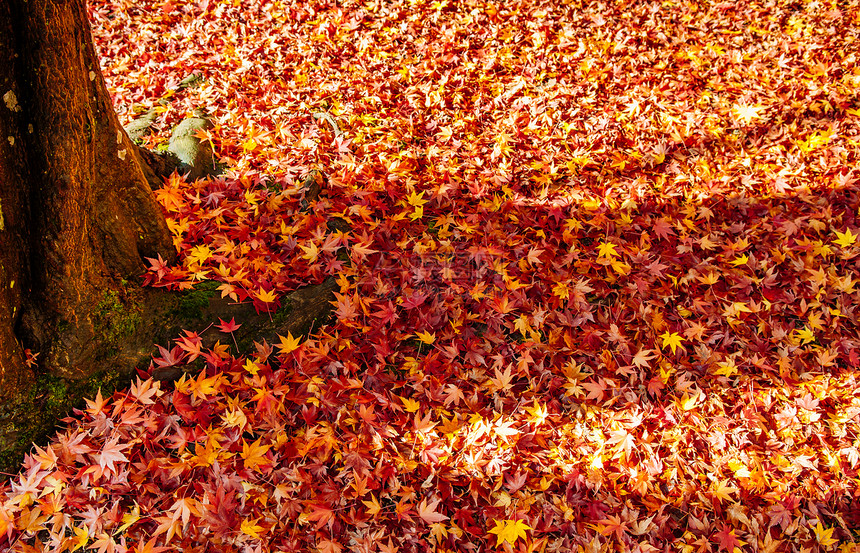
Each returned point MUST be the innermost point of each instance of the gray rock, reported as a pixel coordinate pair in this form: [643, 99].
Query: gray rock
[195, 156]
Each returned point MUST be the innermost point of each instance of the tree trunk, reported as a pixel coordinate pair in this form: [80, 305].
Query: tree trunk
[77, 214]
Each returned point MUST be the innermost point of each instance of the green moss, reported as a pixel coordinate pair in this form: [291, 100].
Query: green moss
[116, 317]
[193, 302]
[282, 315]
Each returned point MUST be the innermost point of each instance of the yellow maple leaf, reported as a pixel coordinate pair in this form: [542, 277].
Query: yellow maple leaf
[747, 113]
[509, 531]
[289, 343]
[538, 412]
[426, 337]
[82, 537]
[689, 402]
[727, 368]
[202, 387]
[417, 201]
[805, 335]
[251, 528]
[722, 491]
[438, 531]
[673, 340]
[706, 243]
[311, 252]
[709, 279]
[845, 238]
[605, 249]
[742, 260]
[198, 255]
[205, 455]
[373, 506]
[824, 537]
[561, 291]
[251, 367]
[254, 454]
[741, 307]
[410, 404]
[620, 267]
[128, 519]
[266, 296]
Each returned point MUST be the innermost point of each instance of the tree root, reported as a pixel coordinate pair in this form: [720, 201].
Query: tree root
[321, 115]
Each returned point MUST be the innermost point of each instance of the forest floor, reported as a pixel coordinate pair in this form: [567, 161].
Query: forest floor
[598, 291]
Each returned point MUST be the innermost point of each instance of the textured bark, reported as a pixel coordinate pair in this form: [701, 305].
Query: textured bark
[78, 212]
[77, 216]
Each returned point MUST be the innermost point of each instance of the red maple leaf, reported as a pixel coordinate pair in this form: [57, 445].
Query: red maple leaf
[228, 327]
[727, 540]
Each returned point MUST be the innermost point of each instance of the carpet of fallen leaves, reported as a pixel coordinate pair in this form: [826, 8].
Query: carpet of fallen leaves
[599, 291]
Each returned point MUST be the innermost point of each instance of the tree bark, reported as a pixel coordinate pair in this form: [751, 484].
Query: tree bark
[77, 217]
[77, 214]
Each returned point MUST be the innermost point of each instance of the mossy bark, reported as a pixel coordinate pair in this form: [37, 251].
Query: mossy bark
[78, 213]
[77, 217]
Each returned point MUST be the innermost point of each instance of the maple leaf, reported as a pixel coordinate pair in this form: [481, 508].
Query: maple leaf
[373, 506]
[96, 406]
[198, 255]
[424, 424]
[112, 453]
[228, 326]
[251, 528]
[561, 290]
[503, 380]
[321, 514]
[845, 239]
[81, 538]
[427, 511]
[148, 547]
[722, 491]
[509, 531]
[288, 344]
[673, 340]
[438, 531]
[266, 296]
[824, 536]
[804, 335]
[170, 197]
[747, 113]
[740, 260]
[663, 229]
[410, 405]
[727, 539]
[328, 546]
[607, 249]
[169, 358]
[417, 201]
[104, 544]
[426, 337]
[613, 525]
[727, 368]
[254, 454]
[311, 252]
[596, 389]
[689, 402]
[643, 356]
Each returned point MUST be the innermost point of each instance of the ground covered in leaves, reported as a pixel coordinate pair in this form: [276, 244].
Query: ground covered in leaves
[598, 293]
